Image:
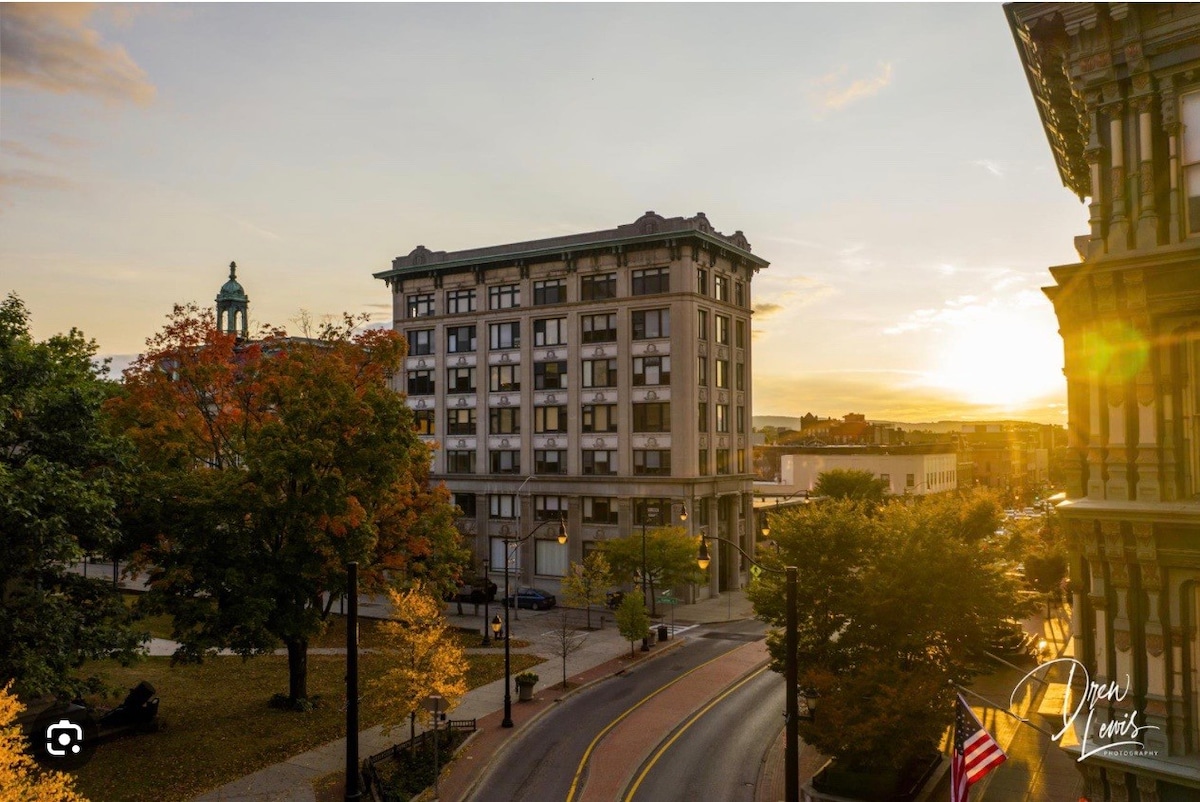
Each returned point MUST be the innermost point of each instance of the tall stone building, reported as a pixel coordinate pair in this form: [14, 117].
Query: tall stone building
[601, 378]
[1118, 89]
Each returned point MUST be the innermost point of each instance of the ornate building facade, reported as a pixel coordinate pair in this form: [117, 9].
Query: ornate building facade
[600, 378]
[1118, 90]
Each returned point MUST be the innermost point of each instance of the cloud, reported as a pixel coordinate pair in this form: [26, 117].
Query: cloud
[49, 47]
[766, 309]
[995, 168]
[832, 94]
[29, 179]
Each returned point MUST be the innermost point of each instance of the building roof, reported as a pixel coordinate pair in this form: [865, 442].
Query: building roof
[650, 227]
[231, 290]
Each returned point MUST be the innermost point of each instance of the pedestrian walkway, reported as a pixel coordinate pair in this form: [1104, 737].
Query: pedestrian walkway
[604, 653]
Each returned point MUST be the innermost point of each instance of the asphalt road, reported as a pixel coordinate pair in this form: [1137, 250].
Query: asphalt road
[717, 753]
[544, 762]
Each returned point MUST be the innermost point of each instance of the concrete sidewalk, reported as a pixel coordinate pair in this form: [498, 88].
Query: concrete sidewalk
[601, 655]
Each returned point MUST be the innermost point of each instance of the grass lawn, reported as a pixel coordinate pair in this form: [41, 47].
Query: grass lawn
[218, 726]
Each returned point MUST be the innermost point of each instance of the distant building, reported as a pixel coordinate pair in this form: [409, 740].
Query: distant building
[907, 470]
[1118, 90]
[1010, 456]
[599, 377]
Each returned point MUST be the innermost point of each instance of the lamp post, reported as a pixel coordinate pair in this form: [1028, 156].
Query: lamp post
[487, 582]
[646, 596]
[791, 680]
[562, 539]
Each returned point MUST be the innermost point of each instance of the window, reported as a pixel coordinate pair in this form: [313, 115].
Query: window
[741, 460]
[504, 420]
[504, 378]
[460, 380]
[702, 516]
[702, 324]
[599, 417]
[598, 288]
[600, 511]
[551, 331]
[722, 329]
[600, 372]
[1190, 108]
[651, 370]
[739, 293]
[722, 373]
[721, 288]
[460, 339]
[910, 480]
[599, 328]
[505, 461]
[460, 421]
[460, 462]
[420, 342]
[549, 462]
[651, 323]
[722, 461]
[420, 382]
[652, 281]
[652, 511]
[549, 557]
[503, 336]
[722, 418]
[886, 478]
[652, 417]
[599, 463]
[419, 305]
[652, 462]
[701, 371]
[504, 296]
[550, 375]
[550, 291]
[702, 416]
[502, 507]
[701, 281]
[702, 456]
[739, 333]
[460, 302]
[549, 419]
[423, 421]
[739, 376]
[549, 508]
[501, 551]
[466, 503]
[741, 420]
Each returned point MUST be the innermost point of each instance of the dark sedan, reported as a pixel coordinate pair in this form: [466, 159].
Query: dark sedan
[533, 599]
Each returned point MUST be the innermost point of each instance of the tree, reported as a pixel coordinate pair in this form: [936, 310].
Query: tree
[267, 466]
[896, 605]
[20, 778]
[586, 584]
[670, 558]
[425, 658]
[633, 622]
[59, 472]
[565, 639]
[852, 484]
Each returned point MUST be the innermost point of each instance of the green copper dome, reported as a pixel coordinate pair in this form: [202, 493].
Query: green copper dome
[231, 290]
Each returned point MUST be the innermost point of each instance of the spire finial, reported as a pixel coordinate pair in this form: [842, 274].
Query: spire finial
[233, 271]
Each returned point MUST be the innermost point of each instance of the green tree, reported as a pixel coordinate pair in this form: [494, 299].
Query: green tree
[265, 468]
[585, 584]
[59, 471]
[851, 484]
[633, 622]
[670, 558]
[896, 605]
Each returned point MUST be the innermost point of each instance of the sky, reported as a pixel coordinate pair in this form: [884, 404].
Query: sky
[886, 159]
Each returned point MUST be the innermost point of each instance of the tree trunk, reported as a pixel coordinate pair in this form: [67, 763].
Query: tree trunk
[297, 649]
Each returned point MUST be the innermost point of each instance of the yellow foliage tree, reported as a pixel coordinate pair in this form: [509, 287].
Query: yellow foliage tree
[20, 778]
[424, 659]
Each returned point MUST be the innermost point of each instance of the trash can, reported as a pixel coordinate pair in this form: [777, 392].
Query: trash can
[662, 633]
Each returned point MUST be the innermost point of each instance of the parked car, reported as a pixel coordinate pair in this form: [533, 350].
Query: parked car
[532, 598]
[1011, 640]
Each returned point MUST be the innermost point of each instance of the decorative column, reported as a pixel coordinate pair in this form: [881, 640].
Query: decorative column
[1098, 599]
[1119, 572]
[1147, 225]
[714, 528]
[1170, 124]
[1118, 230]
[1156, 713]
[1097, 209]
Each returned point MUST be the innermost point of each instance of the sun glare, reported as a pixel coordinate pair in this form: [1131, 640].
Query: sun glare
[1002, 358]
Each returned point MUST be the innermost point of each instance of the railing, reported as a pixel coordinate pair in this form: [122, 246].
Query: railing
[373, 785]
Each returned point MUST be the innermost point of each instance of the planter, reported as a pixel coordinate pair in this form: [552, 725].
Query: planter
[525, 691]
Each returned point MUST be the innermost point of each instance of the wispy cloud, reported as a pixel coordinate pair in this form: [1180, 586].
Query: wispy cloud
[29, 179]
[993, 167]
[49, 47]
[765, 310]
[832, 93]
[262, 232]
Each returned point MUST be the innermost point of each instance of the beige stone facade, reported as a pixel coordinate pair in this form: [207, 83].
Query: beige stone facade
[1118, 90]
[600, 377]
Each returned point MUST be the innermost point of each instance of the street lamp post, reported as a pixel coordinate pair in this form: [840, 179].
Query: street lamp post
[562, 539]
[791, 679]
[487, 582]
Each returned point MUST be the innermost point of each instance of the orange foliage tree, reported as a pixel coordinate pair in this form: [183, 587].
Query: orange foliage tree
[266, 466]
[20, 778]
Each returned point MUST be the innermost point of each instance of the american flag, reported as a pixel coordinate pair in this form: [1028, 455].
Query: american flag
[975, 752]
